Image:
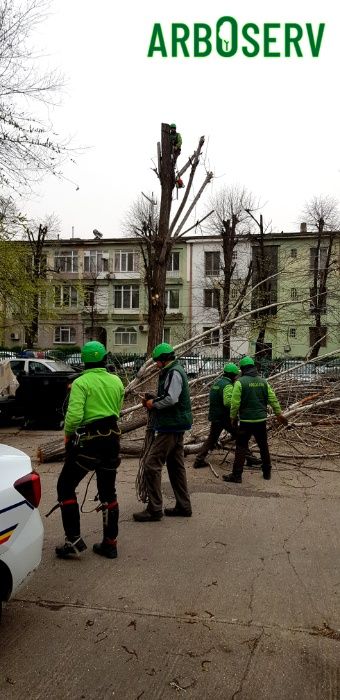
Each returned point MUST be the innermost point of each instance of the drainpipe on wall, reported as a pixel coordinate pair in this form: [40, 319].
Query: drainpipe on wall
[190, 290]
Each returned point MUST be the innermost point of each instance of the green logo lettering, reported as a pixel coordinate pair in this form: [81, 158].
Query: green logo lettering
[315, 45]
[226, 36]
[157, 36]
[245, 33]
[199, 39]
[176, 29]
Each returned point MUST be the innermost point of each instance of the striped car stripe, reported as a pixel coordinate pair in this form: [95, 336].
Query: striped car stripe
[6, 534]
[16, 505]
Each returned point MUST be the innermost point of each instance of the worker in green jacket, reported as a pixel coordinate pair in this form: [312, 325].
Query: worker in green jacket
[176, 141]
[250, 398]
[91, 443]
[170, 417]
[219, 412]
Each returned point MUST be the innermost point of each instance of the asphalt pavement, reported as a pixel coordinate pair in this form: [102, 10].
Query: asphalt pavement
[241, 601]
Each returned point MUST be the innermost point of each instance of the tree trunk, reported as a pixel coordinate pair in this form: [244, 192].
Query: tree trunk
[162, 245]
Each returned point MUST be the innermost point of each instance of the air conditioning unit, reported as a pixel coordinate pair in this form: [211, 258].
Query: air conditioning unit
[143, 329]
[14, 336]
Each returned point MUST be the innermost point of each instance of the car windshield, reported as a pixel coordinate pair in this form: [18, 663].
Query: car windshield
[58, 366]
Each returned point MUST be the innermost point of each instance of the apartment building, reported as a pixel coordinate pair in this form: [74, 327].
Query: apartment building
[205, 274]
[291, 329]
[96, 290]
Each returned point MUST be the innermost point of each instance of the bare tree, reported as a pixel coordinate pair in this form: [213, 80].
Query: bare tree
[27, 146]
[36, 235]
[322, 215]
[264, 282]
[155, 230]
[230, 220]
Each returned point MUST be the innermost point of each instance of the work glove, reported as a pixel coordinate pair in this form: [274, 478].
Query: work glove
[282, 419]
[148, 400]
[67, 439]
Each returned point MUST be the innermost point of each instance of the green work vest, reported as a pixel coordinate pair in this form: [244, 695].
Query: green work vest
[175, 418]
[254, 398]
[217, 411]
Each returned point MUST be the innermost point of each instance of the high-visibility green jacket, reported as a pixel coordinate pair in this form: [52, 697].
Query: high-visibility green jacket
[95, 394]
[250, 397]
[227, 394]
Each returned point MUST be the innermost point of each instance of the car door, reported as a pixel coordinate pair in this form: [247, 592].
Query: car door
[17, 366]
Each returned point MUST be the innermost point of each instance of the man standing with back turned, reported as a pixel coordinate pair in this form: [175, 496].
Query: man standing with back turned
[219, 406]
[91, 443]
[170, 417]
[250, 397]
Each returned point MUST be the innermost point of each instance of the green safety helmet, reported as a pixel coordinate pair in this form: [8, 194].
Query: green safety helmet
[93, 351]
[231, 368]
[246, 361]
[173, 126]
[162, 351]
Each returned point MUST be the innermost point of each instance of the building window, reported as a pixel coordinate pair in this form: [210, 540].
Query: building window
[234, 256]
[317, 260]
[125, 336]
[292, 332]
[213, 338]
[293, 252]
[65, 296]
[126, 296]
[211, 298]
[314, 336]
[318, 301]
[126, 261]
[173, 264]
[293, 293]
[234, 293]
[64, 334]
[96, 262]
[172, 299]
[166, 335]
[66, 261]
[212, 263]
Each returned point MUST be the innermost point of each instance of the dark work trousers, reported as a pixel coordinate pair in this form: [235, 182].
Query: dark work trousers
[216, 428]
[166, 448]
[99, 454]
[244, 433]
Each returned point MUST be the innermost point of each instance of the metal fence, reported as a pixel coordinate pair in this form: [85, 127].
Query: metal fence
[195, 365]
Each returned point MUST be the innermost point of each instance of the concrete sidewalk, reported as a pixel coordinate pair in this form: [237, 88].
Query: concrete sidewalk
[240, 601]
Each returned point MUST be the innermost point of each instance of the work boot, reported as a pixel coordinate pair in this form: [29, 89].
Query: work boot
[106, 548]
[147, 516]
[177, 512]
[232, 478]
[267, 474]
[70, 549]
[200, 464]
[252, 461]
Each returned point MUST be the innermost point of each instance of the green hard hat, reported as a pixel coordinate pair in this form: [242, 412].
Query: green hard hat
[173, 126]
[230, 368]
[246, 361]
[162, 349]
[93, 351]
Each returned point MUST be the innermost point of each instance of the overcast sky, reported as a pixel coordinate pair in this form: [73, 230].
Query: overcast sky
[271, 124]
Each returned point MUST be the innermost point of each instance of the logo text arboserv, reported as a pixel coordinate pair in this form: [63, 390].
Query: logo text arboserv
[227, 38]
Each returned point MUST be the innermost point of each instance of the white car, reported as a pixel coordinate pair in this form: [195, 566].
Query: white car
[31, 365]
[21, 528]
